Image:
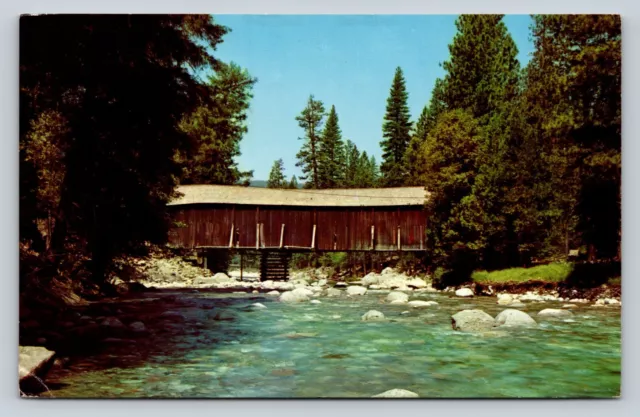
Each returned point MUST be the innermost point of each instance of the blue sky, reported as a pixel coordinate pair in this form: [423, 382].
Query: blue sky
[343, 60]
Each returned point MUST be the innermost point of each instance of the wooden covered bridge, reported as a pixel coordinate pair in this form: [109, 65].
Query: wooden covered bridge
[278, 222]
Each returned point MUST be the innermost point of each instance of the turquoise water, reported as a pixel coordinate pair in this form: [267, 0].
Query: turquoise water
[325, 350]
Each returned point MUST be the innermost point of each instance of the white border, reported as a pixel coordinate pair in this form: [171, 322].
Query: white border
[11, 405]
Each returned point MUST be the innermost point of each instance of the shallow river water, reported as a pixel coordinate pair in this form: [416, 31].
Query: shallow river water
[325, 350]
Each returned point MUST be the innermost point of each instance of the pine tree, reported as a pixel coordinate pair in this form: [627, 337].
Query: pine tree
[396, 132]
[276, 176]
[482, 72]
[451, 156]
[331, 153]
[424, 125]
[293, 184]
[217, 127]
[310, 120]
[575, 79]
[437, 106]
[116, 86]
[352, 158]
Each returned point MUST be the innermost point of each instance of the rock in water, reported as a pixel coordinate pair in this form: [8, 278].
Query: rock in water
[137, 327]
[514, 318]
[555, 312]
[464, 292]
[258, 306]
[398, 297]
[296, 296]
[397, 393]
[471, 321]
[315, 302]
[421, 304]
[505, 299]
[334, 292]
[172, 315]
[274, 292]
[370, 279]
[356, 290]
[372, 315]
[112, 323]
[33, 364]
[224, 316]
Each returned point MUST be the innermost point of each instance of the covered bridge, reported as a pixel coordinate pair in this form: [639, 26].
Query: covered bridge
[279, 220]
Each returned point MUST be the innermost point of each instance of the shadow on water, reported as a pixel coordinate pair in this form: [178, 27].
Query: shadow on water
[199, 321]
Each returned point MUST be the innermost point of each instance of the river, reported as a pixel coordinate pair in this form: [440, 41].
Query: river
[324, 350]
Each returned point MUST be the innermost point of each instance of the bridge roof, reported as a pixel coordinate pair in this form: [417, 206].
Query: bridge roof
[352, 197]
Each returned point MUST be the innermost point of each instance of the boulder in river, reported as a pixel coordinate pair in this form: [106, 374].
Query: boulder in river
[112, 323]
[356, 290]
[224, 316]
[258, 306]
[333, 292]
[137, 327]
[417, 283]
[555, 313]
[172, 315]
[397, 297]
[464, 292]
[33, 364]
[514, 318]
[316, 302]
[296, 296]
[471, 321]
[372, 315]
[274, 292]
[421, 304]
[397, 393]
[370, 279]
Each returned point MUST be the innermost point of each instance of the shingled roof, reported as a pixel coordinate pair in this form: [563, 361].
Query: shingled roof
[352, 197]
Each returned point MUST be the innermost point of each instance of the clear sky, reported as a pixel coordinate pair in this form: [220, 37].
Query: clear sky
[343, 60]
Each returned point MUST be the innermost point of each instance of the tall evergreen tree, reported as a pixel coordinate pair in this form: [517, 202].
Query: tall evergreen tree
[293, 184]
[396, 133]
[352, 159]
[576, 80]
[331, 153]
[217, 127]
[118, 85]
[482, 71]
[424, 125]
[311, 120]
[437, 106]
[276, 176]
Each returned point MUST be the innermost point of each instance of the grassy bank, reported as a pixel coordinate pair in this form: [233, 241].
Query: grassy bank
[578, 275]
[555, 272]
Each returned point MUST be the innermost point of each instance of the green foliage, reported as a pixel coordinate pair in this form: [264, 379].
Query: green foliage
[293, 184]
[450, 157]
[276, 176]
[310, 120]
[575, 77]
[331, 154]
[482, 71]
[102, 100]
[396, 131]
[216, 128]
[555, 272]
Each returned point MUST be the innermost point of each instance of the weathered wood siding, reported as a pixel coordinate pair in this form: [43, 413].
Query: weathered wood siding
[337, 229]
